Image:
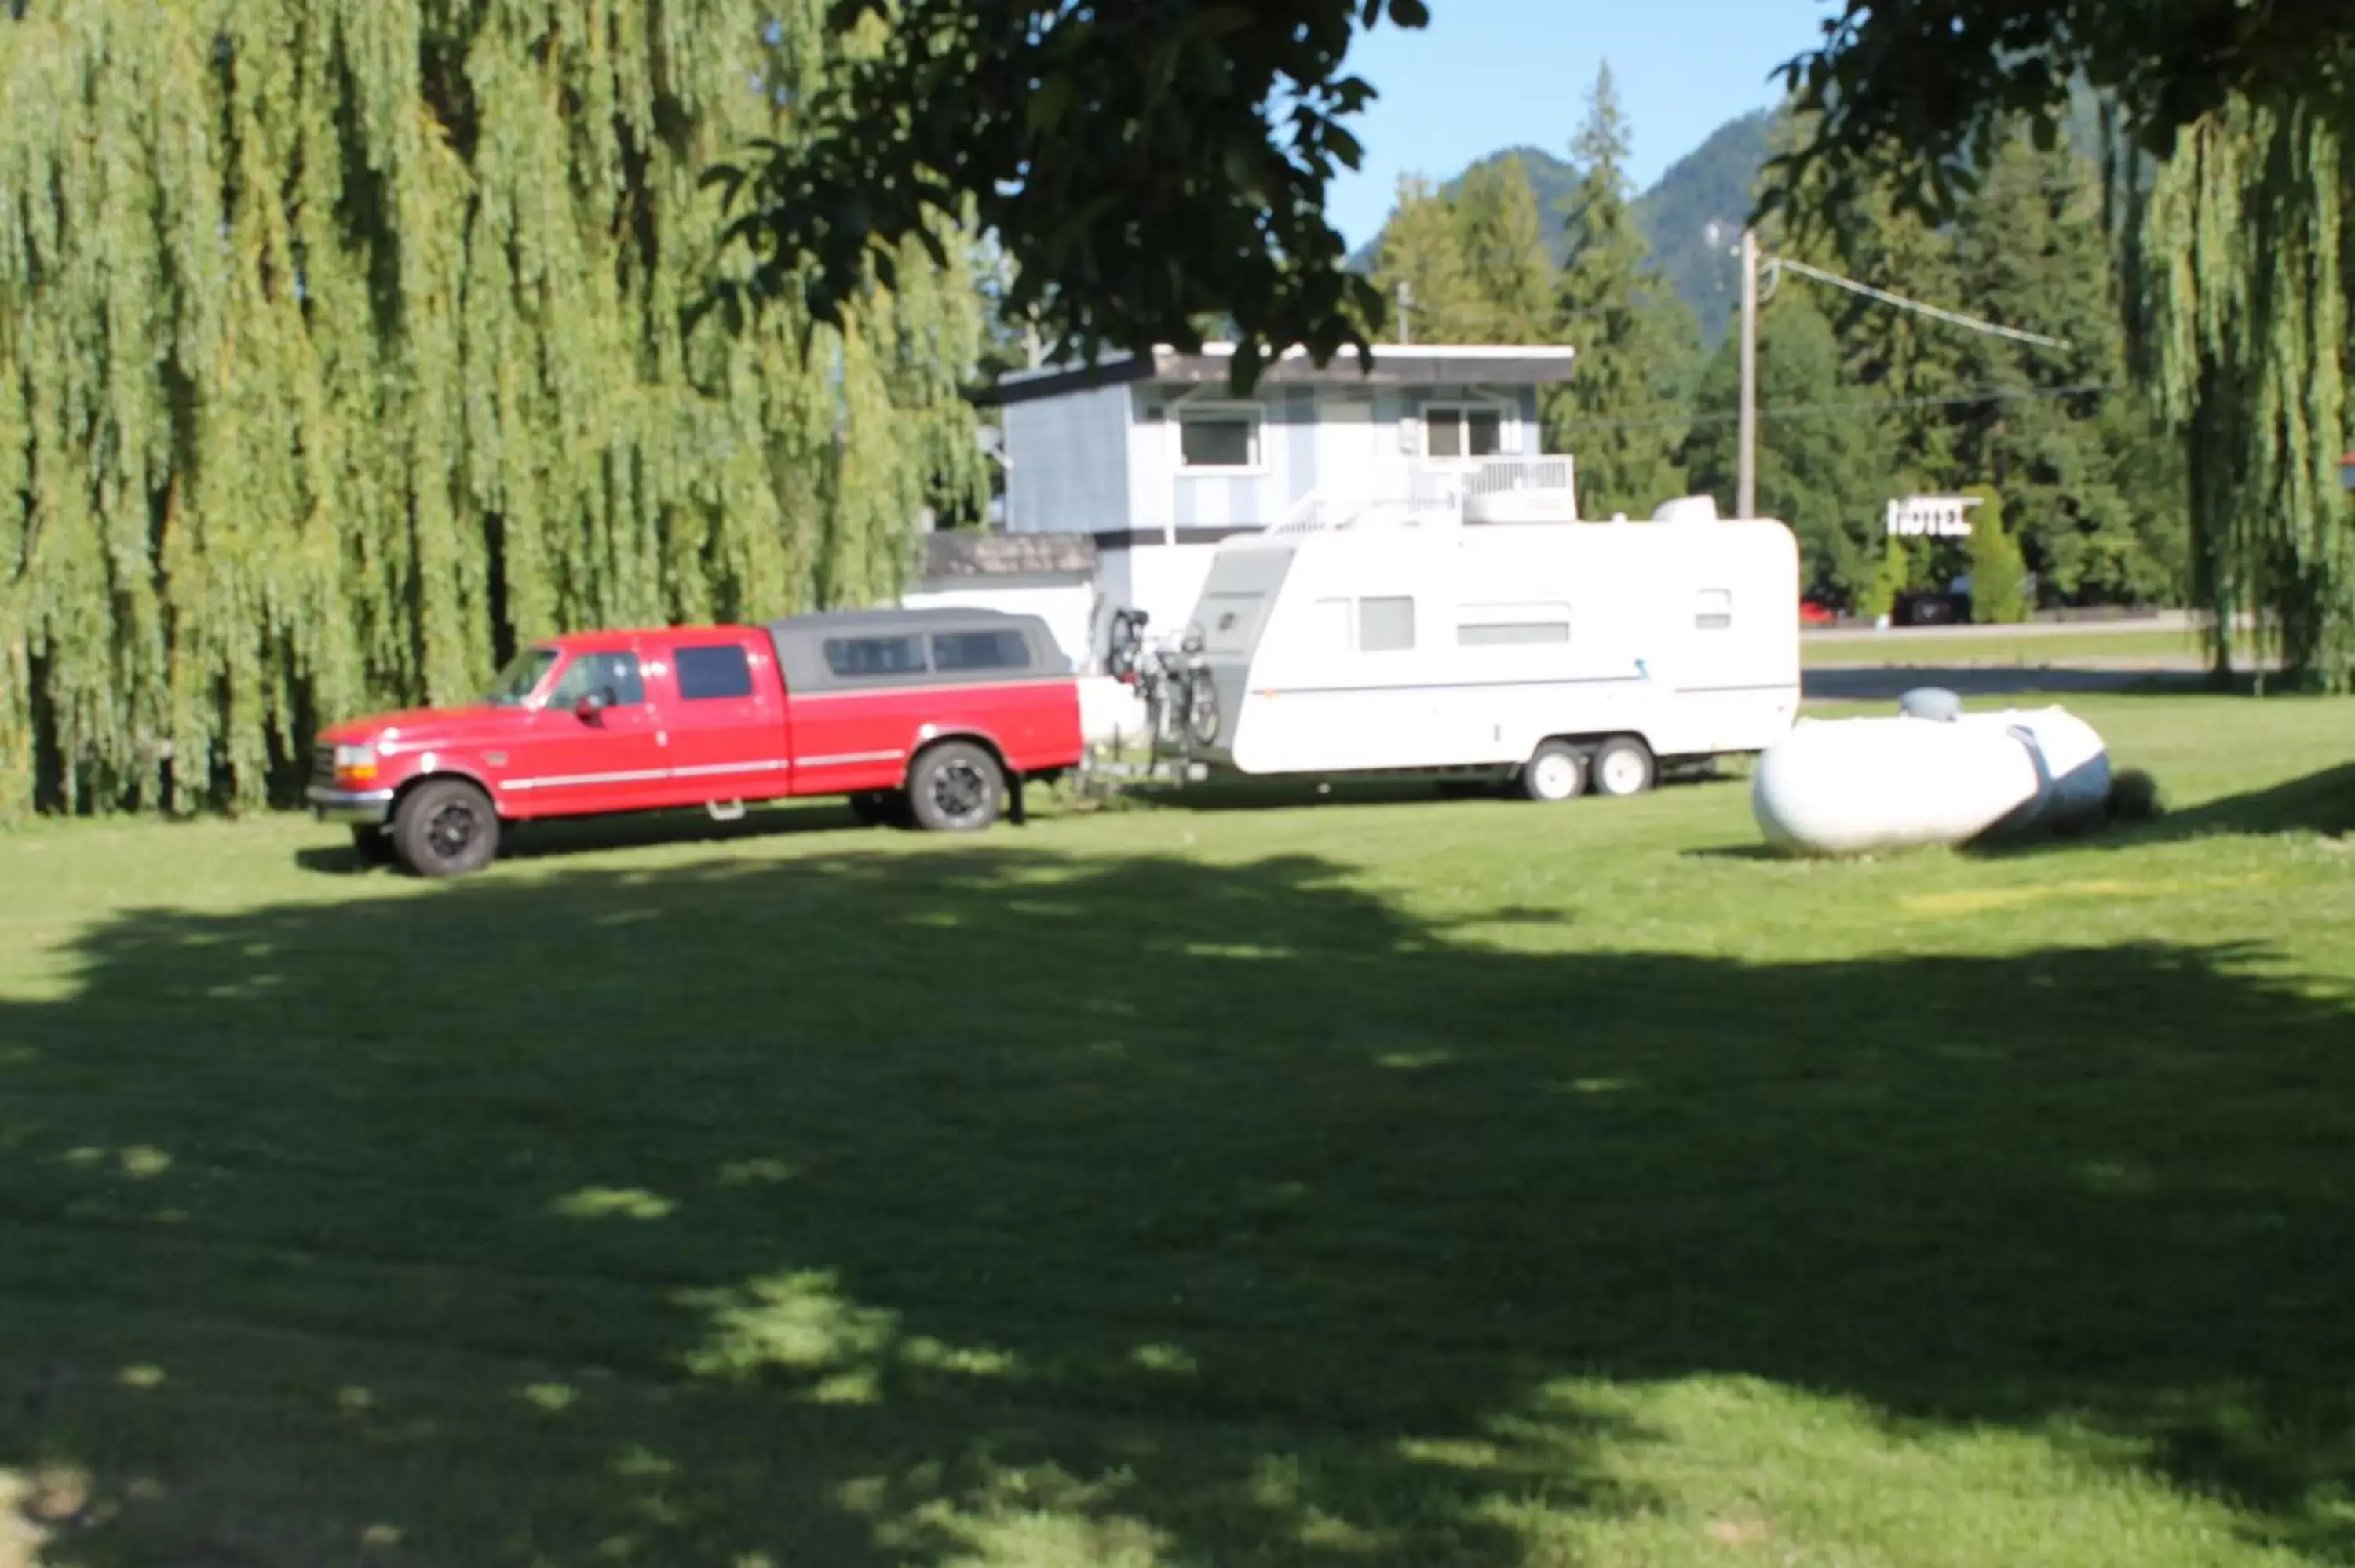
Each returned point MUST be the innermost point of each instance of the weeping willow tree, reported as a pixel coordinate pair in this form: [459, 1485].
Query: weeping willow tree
[2242, 269]
[345, 343]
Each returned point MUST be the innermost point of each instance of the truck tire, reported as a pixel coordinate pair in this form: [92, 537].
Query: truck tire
[1623, 766]
[446, 827]
[372, 846]
[955, 788]
[1555, 771]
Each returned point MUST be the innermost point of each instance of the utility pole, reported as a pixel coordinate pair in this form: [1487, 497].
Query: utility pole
[1746, 504]
[1405, 308]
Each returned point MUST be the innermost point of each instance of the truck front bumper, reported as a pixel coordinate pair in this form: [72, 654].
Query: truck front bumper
[362, 808]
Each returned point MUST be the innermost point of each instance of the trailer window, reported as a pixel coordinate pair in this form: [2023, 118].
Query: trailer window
[980, 650]
[1385, 625]
[1229, 620]
[1714, 612]
[867, 658]
[1511, 633]
[712, 674]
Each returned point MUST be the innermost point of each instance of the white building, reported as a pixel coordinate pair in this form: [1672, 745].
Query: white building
[1051, 576]
[1155, 458]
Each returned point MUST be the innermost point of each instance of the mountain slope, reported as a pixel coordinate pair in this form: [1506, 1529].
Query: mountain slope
[1712, 183]
[1693, 218]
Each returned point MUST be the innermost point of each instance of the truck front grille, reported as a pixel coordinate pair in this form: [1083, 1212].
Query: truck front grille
[322, 766]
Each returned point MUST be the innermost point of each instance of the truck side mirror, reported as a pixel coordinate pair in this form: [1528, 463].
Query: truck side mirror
[589, 707]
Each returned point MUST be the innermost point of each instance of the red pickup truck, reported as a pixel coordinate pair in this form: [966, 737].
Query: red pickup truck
[935, 717]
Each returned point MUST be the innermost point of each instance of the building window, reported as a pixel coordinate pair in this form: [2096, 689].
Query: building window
[980, 650]
[1452, 432]
[865, 658]
[1714, 611]
[711, 674]
[1385, 625]
[1213, 439]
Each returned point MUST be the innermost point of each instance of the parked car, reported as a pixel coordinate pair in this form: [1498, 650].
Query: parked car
[1812, 613]
[933, 718]
[1932, 608]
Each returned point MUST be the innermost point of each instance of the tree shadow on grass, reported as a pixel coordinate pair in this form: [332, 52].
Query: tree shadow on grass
[989, 1205]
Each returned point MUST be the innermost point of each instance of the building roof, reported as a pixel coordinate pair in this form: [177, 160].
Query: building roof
[1393, 365]
[959, 553]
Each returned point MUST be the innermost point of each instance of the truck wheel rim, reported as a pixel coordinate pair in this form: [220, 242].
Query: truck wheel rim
[1554, 776]
[1624, 772]
[451, 831]
[960, 790]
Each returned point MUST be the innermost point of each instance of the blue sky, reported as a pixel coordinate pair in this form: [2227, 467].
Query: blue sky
[1498, 73]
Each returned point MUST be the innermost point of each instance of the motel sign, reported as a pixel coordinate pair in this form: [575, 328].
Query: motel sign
[1932, 516]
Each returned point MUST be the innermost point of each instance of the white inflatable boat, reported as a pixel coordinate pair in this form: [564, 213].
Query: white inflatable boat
[1933, 775]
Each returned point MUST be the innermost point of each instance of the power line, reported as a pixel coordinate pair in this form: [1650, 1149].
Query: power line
[1953, 318]
[1812, 411]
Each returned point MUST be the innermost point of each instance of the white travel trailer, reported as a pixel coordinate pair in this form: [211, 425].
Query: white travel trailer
[1565, 654]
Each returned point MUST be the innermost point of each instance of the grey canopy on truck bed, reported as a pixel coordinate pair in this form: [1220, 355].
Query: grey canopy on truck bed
[846, 649]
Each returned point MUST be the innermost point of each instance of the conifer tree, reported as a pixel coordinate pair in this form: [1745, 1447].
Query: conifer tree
[1637, 343]
[1508, 268]
[1822, 469]
[1420, 265]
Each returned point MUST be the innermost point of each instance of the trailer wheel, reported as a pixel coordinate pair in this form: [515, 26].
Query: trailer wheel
[1623, 766]
[1555, 771]
[445, 827]
[955, 788]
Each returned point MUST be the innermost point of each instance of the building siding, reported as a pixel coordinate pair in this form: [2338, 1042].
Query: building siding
[1069, 457]
[1105, 459]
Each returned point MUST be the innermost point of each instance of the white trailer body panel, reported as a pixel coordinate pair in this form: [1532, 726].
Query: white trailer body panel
[1388, 648]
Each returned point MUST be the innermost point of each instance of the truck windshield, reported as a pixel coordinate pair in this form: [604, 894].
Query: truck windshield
[520, 678]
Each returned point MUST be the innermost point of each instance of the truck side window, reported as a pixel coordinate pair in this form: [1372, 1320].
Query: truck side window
[980, 650]
[707, 674]
[856, 658]
[1385, 625]
[613, 676]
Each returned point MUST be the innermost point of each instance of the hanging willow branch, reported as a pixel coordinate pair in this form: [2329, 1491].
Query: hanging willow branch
[344, 342]
[2241, 293]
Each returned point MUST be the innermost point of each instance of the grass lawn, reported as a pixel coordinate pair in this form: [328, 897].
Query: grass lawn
[2022, 648]
[1326, 1182]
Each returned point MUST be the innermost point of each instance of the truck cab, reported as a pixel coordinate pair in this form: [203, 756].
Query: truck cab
[935, 717]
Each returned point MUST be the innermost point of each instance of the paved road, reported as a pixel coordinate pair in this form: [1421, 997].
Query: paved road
[2162, 621]
[1861, 683]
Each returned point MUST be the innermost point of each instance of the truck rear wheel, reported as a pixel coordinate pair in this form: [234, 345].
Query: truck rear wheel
[1623, 766]
[956, 788]
[446, 827]
[1555, 771]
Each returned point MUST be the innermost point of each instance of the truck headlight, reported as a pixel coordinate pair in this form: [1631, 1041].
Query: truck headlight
[354, 764]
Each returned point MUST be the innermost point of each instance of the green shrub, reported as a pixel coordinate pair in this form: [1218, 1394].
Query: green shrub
[1998, 571]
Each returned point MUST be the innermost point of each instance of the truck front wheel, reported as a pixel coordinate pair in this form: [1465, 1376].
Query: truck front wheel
[956, 788]
[446, 827]
[372, 845]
